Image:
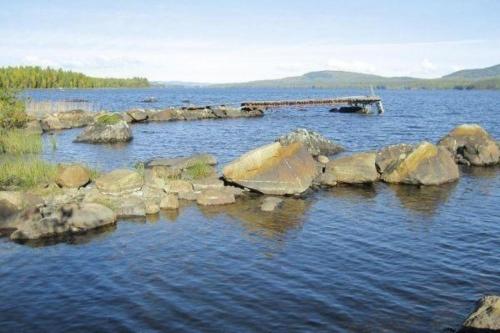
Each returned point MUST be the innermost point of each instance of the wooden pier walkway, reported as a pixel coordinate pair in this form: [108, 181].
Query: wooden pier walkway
[355, 101]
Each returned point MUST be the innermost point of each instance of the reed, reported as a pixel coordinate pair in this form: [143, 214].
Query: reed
[19, 141]
[25, 172]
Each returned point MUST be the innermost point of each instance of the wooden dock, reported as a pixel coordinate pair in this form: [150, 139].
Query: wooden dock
[361, 101]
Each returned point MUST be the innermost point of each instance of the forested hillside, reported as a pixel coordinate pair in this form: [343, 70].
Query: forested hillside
[37, 77]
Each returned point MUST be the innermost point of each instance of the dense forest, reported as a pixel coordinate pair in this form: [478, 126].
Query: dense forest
[37, 77]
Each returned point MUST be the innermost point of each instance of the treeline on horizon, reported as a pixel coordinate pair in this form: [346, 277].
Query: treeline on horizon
[33, 77]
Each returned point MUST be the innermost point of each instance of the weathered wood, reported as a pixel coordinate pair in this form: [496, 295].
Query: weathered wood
[350, 100]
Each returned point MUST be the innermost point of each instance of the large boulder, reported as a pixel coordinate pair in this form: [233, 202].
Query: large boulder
[11, 202]
[485, 317]
[119, 182]
[67, 119]
[274, 169]
[471, 144]
[72, 176]
[392, 154]
[427, 164]
[54, 221]
[354, 169]
[316, 143]
[106, 133]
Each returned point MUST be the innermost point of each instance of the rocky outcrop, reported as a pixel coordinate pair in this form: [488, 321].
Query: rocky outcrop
[72, 176]
[316, 143]
[119, 182]
[354, 169]
[106, 133]
[67, 119]
[485, 317]
[274, 169]
[427, 164]
[49, 221]
[199, 113]
[471, 144]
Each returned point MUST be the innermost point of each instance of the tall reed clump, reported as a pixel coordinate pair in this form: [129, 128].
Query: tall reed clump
[18, 141]
[198, 170]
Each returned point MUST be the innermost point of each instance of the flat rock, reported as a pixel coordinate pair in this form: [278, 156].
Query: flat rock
[485, 317]
[207, 184]
[316, 143]
[119, 182]
[354, 169]
[215, 197]
[67, 119]
[137, 115]
[165, 168]
[106, 133]
[471, 144]
[427, 164]
[178, 186]
[274, 169]
[72, 176]
[169, 201]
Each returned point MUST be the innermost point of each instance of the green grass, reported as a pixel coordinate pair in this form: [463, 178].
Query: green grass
[198, 171]
[18, 141]
[139, 167]
[25, 172]
[108, 119]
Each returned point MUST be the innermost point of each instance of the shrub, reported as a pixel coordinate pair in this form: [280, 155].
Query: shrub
[108, 119]
[198, 170]
[25, 172]
[12, 110]
[19, 141]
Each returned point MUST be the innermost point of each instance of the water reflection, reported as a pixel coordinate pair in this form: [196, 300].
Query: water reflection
[424, 200]
[288, 216]
[353, 192]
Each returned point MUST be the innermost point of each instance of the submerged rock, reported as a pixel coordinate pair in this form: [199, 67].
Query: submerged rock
[106, 133]
[274, 169]
[471, 144]
[269, 204]
[214, 197]
[316, 143]
[485, 317]
[119, 182]
[72, 176]
[71, 218]
[427, 164]
[354, 169]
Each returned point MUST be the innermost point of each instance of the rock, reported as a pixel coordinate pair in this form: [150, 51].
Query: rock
[178, 186]
[236, 191]
[73, 218]
[392, 154]
[215, 197]
[106, 133]
[165, 168]
[72, 176]
[471, 144]
[126, 118]
[189, 196]
[427, 164]
[34, 126]
[210, 183]
[323, 159]
[327, 179]
[152, 208]
[165, 115]
[67, 119]
[119, 182]
[316, 143]
[137, 115]
[485, 317]
[150, 100]
[169, 201]
[11, 202]
[355, 169]
[274, 169]
[270, 204]
[131, 206]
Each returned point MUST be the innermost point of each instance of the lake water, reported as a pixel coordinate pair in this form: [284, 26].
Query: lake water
[351, 259]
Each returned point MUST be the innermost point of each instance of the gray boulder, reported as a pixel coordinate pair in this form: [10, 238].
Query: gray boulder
[67, 219]
[316, 143]
[137, 115]
[471, 144]
[485, 317]
[106, 133]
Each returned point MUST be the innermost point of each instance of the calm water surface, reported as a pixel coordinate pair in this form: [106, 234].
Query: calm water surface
[351, 259]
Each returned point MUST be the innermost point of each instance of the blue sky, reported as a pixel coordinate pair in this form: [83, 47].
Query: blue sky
[228, 41]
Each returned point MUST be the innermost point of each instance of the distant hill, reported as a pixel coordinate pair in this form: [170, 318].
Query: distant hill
[486, 78]
[481, 73]
[37, 77]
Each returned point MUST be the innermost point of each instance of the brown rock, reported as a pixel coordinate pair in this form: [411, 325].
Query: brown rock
[169, 201]
[215, 197]
[355, 169]
[72, 176]
[119, 182]
[274, 169]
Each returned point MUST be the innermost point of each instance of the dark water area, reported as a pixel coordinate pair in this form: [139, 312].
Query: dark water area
[375, 258]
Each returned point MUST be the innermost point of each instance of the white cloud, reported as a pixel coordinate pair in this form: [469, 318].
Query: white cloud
[351, 66]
